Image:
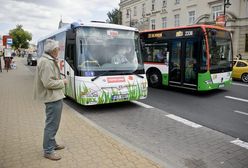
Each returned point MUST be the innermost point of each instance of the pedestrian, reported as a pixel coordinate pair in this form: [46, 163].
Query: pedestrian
[48, 87]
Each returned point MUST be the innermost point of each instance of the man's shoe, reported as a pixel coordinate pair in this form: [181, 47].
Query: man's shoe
[52, 156]
[59, 147]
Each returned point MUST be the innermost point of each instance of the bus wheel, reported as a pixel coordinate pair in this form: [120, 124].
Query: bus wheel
[154, 79]
[244, 77]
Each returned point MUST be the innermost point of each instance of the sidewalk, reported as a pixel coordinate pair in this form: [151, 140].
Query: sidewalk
[21, 132]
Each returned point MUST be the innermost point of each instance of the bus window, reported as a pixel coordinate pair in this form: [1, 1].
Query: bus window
[40, 48]
[156, 53]
[203, 58]
[104, 49]
[70, 55]
[220, 51]
[175, 62]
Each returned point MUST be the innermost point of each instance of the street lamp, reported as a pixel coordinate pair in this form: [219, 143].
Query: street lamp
[227, 4]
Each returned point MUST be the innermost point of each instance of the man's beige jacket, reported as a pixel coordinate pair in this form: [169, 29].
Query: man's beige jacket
[48, 86]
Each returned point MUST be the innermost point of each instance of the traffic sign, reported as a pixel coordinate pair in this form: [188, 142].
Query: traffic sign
[9, 41]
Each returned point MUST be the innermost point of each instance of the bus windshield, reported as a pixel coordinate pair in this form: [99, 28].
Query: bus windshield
[220, 50]
[102, 49]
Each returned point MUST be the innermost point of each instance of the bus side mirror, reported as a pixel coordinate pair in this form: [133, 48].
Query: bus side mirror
[167, 56]
[75, 25]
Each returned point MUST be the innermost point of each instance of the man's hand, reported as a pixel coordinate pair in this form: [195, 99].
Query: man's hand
[65, 81]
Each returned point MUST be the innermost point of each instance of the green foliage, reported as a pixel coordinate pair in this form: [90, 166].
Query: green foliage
[20, 37]
[114, 16]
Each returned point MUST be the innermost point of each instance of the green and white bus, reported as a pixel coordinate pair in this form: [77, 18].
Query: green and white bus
[101, 61]
[197, 57]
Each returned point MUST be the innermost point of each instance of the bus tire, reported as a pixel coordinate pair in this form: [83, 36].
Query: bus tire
[244, 77]
[154, 78]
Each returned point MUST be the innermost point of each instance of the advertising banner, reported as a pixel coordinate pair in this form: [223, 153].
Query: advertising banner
[7, 52]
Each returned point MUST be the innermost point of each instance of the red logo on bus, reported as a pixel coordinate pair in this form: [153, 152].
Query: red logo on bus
[115, 79]
[130, 77]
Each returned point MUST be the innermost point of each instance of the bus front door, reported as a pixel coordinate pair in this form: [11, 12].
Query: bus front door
[190, 63]
[70, 70]
[183, 63]
[175, 63]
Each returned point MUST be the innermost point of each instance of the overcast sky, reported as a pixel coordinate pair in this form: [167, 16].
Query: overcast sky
[41, 17]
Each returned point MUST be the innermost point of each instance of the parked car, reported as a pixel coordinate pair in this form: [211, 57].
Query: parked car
[32, 59]
[240, 70]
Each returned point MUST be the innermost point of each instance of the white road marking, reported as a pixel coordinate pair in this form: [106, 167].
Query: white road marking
[184, 121]
[142, 104]
[241, 112]
[240, 143]
[236, 98]
[240, 84]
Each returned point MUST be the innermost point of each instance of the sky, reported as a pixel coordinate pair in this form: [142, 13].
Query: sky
[41, 17]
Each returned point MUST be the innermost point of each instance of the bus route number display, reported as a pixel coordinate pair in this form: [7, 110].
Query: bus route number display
[186, 33]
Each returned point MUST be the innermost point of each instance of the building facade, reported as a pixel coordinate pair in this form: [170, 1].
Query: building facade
[157, 14]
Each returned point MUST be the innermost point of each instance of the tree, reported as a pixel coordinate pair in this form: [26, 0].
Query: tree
[114, 16]
[20, 37]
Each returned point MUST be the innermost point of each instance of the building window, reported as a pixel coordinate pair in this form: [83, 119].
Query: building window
[143, 9]
[164, 3]
[128, 12]
[246, 4]
[246, 42]
[177, 2]
[191, 17]
[135, 11]
[216, 11]
[164, 22]
[177, 21]
[153, 5]
[153, 24]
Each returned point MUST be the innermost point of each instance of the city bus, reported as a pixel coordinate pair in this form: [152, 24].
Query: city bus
[197, 57]
[102, 62]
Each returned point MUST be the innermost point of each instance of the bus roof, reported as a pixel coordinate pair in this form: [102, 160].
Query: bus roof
[89, 24]
[186, 27]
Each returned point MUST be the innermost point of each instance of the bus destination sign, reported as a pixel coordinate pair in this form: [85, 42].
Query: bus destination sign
[155, 35]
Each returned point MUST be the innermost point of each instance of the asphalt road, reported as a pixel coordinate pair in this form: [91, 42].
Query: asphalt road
[224, 110]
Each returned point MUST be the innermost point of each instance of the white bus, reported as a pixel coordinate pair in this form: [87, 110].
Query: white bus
[101, 61]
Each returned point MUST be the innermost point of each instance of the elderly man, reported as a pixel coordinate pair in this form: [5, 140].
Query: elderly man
[48, 87]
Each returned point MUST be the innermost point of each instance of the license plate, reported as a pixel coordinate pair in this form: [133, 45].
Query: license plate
[221, 85]
[119, 97]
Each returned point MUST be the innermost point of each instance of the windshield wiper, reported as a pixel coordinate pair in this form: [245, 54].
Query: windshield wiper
[104, 73]
[132, 73]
